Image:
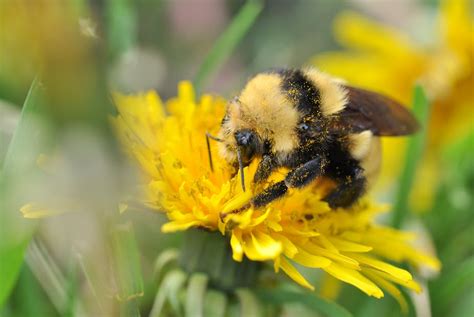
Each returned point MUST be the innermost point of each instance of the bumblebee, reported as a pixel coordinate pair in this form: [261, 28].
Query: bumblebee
[314, 125]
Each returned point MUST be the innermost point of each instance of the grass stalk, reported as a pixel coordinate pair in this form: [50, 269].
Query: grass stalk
[226, 43]
[414, 153]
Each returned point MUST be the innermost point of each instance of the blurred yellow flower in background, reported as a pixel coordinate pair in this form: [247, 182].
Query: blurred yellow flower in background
[32, 40]
[384, 59]
[167, 141]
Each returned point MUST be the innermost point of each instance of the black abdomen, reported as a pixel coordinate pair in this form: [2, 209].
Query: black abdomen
[347, 172]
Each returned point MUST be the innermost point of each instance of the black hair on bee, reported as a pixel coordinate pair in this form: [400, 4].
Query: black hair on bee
[313, 124]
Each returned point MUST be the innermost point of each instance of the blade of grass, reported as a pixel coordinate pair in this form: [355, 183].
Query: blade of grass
[165, 259]
[121, 26]
[21, 137]
[72, 287]
[60, 290]
[89, 280]
[195, 295]
[215, 303]
[11, 260]
[130, 308]
[168, 291]
[16, 232]
[176, 297]
[421, 109]
[28, 298]
[9, 117]
[128, 267]
[464, 306]
[48, 274]
[412, 311]
[249, 303]
[450, 286]
[226, 43]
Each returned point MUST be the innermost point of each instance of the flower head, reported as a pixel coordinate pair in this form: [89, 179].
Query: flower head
[168, 143]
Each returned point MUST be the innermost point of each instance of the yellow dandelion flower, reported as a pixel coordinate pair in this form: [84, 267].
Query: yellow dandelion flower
[384, 59]
[168, 143]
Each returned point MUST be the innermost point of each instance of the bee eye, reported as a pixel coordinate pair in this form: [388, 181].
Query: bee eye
[244, 137]
[303, 127]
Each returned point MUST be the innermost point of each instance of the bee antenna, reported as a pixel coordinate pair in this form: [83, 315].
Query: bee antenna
[241, 168]
[209, 136]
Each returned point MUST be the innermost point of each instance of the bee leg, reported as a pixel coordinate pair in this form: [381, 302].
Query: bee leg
[347, 192]
[299, 177]
[271, 193]
[265, 168]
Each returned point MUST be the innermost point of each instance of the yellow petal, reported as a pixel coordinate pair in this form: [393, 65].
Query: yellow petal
[186, 92]
[383, 266]
[349, 246]
[327, 244]
[31, 211]
[242, 219]
[355, 278]
[303, 233]
[391, 289]
[456, 24]
[356, 31]
[294, 274]
[289, 248]
[155, 106]
[276, 264]
[174, 226]
[260, 219]
[347, 261]
[237, 251]
[237, 202]
[221, 226]
[265, 246]
[418, 258]
[330, 287]
[309, 260]
[409, 284]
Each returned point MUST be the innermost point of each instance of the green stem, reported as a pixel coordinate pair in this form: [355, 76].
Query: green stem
[128, 268]
[210, 253]
[226, 43]
[421, 108]
[130, 308]
[20, 157]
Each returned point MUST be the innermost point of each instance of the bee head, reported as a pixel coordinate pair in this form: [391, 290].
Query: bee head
[261, 119]
[248, 144]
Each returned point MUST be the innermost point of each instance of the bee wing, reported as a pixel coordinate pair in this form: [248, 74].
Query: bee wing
[367, 110]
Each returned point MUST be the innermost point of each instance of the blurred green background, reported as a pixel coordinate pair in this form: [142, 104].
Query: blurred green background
[79, 51]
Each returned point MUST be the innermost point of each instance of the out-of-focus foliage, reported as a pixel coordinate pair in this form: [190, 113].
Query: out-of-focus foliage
[14, 231]
[452, 223]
